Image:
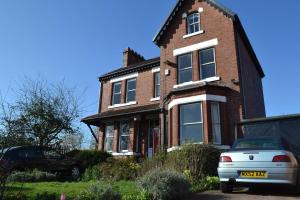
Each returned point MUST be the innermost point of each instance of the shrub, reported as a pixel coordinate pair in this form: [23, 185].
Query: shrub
[89, 158]
[199, 160]
[16, 196]
[139, 196]
[119, 169]
[207, 183]
[164, 184]
[46, 196]
[158, 161]
[31, 176]
[98, 191]
[92, 174]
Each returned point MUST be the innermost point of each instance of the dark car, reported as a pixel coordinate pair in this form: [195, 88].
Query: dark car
[34, 157]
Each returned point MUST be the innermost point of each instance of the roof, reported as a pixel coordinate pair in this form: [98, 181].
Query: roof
[95, 119]
[227, 12]
[154, 62]
[268, 119]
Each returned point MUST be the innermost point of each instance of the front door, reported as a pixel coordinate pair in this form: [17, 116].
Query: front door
[153, 137]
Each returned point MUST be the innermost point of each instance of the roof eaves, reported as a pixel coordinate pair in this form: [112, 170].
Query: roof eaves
[125, 70]
[226, 11]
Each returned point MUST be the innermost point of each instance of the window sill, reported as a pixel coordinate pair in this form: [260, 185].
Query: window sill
[193, 34]
[122, 105]
[211, 79]
[125, 154]
[155, 99]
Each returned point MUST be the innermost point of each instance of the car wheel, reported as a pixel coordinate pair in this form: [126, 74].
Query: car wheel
[226, 187]
[75, 172]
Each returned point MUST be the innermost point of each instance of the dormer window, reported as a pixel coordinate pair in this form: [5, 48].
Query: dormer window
[193, 22]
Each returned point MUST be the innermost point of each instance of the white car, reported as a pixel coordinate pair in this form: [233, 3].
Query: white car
[260, 160]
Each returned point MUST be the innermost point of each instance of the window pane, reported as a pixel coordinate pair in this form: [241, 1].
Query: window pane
[117, 99]
[117, 87]
[185, 76]
[207, 56]
[130, 96]
[216, 127]
[190, 113]
[191, 133]
[157, 91]
[185, 61]
[217, 134]
[109, 144]
[109, 132]
[157, 78]
[215, 113]
[208, 71]
[131, 84]
[124, 143]
[196, 27]
[124, 130]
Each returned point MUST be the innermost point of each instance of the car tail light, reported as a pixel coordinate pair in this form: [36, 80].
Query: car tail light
[225, 159]
[281, 158]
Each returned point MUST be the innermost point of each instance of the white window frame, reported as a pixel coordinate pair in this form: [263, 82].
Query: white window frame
[193, 123]
[194, 24]
[184, 69]
[121, 134]
[127, 90]
[156, 84]
[216, 123]
[205, 64]
[114, 93]
[109, 136]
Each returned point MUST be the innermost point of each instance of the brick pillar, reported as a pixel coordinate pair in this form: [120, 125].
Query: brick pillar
[123, 92]
[175, 127]
[170, 129]
[116, 138]
[101, 137]
[196, 70]
[206, 121]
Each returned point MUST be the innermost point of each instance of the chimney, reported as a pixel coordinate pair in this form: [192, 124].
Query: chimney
[131, 57]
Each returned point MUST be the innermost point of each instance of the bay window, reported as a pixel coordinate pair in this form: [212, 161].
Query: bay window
[191, 123]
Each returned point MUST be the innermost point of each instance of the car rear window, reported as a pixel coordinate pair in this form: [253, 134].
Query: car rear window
[260, 143]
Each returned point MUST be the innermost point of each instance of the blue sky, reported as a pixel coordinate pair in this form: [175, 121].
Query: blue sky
[78, 40]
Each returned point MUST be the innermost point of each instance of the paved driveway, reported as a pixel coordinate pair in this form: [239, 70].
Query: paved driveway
[266, 193]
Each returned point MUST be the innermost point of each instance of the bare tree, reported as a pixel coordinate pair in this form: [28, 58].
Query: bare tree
[43, 114]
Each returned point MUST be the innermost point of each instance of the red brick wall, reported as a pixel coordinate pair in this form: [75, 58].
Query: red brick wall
[144, 91]
[251, 83]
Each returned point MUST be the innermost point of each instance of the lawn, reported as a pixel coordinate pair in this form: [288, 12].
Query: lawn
[70, 189]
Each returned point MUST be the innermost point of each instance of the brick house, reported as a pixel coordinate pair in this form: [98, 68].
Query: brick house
[206, 79]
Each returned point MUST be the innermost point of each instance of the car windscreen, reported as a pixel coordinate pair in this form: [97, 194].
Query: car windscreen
[260, 143]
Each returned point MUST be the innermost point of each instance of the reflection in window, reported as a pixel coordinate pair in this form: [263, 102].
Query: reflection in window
[208, 63]
[193, 21]
[116, 99]
[124, 136]
[130, 90]
[109, 138]
[185, 68]
[191, 123]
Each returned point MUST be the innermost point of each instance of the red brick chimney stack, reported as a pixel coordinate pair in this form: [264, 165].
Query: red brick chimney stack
[131, 57]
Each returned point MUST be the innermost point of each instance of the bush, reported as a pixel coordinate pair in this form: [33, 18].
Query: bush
[92, 174]
[46, 196]
[207, 183]
[98, 191]
[119, 169]
[31, 176]
[164, 184]
[89, 158]
[16, 196]
[139, 196]
[158, 161]
[199, 160]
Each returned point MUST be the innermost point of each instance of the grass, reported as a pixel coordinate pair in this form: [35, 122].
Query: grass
[70, 189]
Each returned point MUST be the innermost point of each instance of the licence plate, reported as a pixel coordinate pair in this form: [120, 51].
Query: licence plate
[254, 174]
